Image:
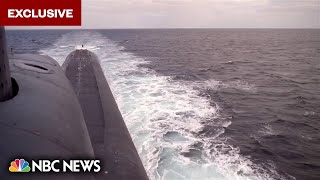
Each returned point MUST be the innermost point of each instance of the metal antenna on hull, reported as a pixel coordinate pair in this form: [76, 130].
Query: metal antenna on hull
[6, 92]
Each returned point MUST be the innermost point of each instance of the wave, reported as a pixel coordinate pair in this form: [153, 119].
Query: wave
[177, 133]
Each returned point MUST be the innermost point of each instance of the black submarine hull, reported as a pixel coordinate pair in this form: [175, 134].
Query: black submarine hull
[109, 135]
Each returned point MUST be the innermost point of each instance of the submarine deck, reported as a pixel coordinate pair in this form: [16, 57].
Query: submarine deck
[109, 136]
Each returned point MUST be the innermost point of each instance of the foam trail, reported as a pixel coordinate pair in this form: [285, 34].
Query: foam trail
[176, 132]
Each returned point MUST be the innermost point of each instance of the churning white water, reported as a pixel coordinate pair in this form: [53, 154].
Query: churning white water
[165, 118]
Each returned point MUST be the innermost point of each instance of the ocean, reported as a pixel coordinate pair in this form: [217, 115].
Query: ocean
[200, 104]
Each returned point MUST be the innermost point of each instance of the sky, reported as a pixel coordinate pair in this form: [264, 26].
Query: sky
[114, 14]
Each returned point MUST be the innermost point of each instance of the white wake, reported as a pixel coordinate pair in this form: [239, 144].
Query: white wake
[166, 118]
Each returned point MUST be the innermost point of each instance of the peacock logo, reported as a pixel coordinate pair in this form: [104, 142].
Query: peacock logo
[19, 165]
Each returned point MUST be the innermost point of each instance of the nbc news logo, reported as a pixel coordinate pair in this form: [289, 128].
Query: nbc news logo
[56, 166]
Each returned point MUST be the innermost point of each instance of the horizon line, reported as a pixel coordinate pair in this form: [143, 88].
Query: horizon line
[169, 28]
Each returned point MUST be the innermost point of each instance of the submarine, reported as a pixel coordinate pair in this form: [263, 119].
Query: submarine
[48, 111]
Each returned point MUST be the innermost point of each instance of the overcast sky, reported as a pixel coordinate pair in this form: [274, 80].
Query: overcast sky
[201, 14]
